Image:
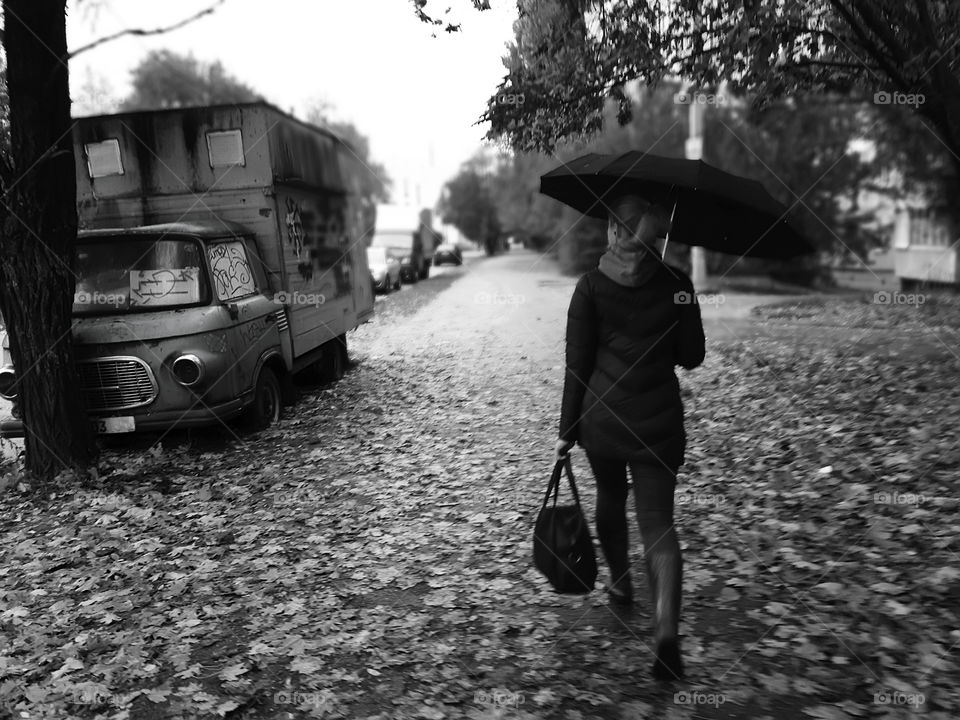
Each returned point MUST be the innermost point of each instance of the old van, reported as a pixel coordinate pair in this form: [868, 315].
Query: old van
[220, 252]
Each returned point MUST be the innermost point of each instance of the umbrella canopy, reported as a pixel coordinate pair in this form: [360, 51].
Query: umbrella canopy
[714, 209]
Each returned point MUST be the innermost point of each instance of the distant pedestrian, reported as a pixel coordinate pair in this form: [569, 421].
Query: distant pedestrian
[630, 322]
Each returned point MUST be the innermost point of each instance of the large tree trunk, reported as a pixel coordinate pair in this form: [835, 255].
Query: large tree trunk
[39, 232]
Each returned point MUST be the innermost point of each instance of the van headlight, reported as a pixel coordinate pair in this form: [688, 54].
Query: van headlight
[8, 383]
[188, 370]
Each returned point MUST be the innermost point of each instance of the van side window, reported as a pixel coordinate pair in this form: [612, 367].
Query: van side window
[232, 276]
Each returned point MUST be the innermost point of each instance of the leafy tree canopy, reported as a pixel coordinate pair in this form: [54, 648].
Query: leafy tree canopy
[799, 150]
[468, 203]
[165, 79]
[374, 181]
[570, 57]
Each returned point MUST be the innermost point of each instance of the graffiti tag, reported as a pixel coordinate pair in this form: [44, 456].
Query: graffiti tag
[231, 272]
[164, 287]
[252, 332]
[294, 222]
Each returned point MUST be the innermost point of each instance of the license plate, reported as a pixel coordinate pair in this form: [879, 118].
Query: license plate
[114, 424]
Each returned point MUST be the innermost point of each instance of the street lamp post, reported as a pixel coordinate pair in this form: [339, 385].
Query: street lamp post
[693, 150]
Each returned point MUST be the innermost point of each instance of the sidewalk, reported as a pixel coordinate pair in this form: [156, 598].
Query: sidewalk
[370, 557]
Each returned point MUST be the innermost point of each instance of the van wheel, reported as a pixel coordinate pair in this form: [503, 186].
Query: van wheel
[264, 411]
[334, 362]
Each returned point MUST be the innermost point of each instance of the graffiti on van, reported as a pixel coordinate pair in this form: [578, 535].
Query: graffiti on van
[165, 286]
[294, 223]
[335, 247]
[251, 333]
[232, 277]
[323, 241]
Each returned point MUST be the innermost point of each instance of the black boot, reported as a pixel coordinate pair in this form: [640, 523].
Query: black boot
[669, 664]
[620, 590]
[664, 570]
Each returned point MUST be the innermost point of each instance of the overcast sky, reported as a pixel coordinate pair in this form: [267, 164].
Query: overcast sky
[416, 97]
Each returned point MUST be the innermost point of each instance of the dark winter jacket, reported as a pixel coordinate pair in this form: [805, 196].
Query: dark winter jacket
[621, 398]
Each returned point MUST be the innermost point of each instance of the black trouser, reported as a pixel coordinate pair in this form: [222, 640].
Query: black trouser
[653, 486]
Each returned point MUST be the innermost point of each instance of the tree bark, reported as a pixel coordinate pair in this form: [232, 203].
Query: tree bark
[39, 230]
[942, 108]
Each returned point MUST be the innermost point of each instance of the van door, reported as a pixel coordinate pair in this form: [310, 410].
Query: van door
[241, 289]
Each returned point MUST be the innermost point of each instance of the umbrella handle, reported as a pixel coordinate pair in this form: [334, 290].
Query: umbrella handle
[666, 240]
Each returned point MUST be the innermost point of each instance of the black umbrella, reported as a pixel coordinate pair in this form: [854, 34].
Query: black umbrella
[711, 208]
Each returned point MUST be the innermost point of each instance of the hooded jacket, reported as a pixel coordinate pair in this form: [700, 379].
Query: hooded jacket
[621, 398]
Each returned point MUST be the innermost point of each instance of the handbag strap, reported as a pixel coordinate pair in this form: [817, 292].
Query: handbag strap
[569, 471]
[553, 487]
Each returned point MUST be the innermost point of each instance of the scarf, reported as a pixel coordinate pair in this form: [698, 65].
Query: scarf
[631, 268]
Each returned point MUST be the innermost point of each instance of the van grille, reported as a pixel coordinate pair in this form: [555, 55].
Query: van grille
[116, 383]
[281, 316]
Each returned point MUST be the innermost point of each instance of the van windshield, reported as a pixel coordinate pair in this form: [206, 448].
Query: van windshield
[125, 273]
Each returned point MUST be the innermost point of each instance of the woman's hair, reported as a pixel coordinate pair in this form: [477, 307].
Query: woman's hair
[627, 210]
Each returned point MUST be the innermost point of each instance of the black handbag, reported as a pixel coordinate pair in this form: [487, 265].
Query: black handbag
[562, 548]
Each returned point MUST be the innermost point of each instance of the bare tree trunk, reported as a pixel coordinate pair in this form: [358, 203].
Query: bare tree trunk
[39, 233]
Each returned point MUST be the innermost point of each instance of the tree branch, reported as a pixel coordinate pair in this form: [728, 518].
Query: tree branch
[926, 22]
[872, 48]
[832, 63]
[140, 32]
[879, 27]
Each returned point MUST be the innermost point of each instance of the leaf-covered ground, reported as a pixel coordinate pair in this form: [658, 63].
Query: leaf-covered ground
[909, 311]
[370, 557]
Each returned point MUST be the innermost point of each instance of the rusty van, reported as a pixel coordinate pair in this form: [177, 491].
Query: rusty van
[220, 253]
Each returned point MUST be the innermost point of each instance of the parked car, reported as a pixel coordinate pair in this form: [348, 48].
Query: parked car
[448, 253]
[404, 220]
[384, 269]
[407, 248]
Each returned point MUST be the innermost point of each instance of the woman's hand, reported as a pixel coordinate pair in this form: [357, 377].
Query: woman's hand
[563, 447]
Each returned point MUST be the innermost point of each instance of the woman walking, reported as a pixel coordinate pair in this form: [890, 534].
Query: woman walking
[630, 322]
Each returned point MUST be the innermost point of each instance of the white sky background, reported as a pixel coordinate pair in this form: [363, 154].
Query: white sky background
[416, 97]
